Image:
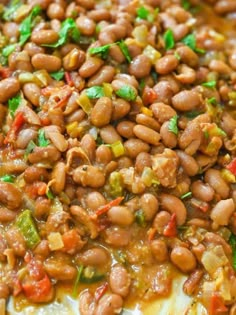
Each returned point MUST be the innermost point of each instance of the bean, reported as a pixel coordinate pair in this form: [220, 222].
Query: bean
[48, 154]
[111, 34]
[87, 4]
[88, 144]
[8, 88]
[59, 269]
[109, 134]
[190, 139]
[183, 259]
[86, 303]
[187, 100]
[120, 215]
[188, 163]
[222, 211]
[42, 249]
[4, 291]
[120, 108]
[162, 112]
[191, 284]
[94, 257]
[10, 196]
[179, 14]
[214, 179]
[103, 154]
[202, 191]
[94, 200]
[164, 91]
[125, 129]
[169, 139]
[90, 67]
[134, 49]
[73, 59]
[89, 176]
[124, 162]
[117, 236]
[42, 3]
[146, 134]
[174, 205]
[186, 75]
[220, 67]
[148, 121]
[188, 56]
[140, 66]
[42, 207]
[172, 81]
[99, 15]
[85, 25]
[58, 140]
[47, 62]
[119, 280]
[149, 205]
[129, 79]
[34, 173]
[56, 11]
[225, 6]
[180, 31]
[43, 37]
[109, 304]
[161, 220]
[216, 239]
[16, 241]
[11, 30]
[228, 123]
[233, 309]
[77, 115]
[143, 160]
[135, 146]
[33, 49]
[58, 177]
[166, 64]
[32, 92]
[159, 250]
[6, 215]
[118, 84]
[24, 137]
[101, 112]
[105, 74]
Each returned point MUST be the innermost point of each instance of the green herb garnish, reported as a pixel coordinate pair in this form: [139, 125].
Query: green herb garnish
[95, 92]
[187, 195]
[30, 148]
[42, 141]
[7, 50]
[173, 127]
[11, 9]
[186, 4]
[142, 13]
[57, 75]
[140, 218]
[212, 100]
[68, 29]
[49, 194]
[126, 92]
[102, 51]
[210, 84]
[190, 41]
[232, 242]
[77, 280]
[125, 50]
[27, 24]
[169, 39]
[7, 178]
[13, 104]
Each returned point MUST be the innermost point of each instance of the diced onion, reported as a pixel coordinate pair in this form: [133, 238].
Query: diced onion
[85, 103]
[117, 148]
[55, 241]
[140, 33]
[152, 53]
[214, 259]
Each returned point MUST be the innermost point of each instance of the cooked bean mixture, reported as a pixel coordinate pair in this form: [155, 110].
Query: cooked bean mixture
[118, 152]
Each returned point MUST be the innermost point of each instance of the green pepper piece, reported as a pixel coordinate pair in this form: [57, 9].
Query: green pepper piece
[90, 275]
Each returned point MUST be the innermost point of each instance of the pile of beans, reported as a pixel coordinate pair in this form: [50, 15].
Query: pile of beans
[117, 152]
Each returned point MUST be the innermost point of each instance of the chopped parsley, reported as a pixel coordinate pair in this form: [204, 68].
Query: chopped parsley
[95, 92]
[127, 92]
[57, 75]
[169, 39]
[173, 127]
[49, 194]
[125, 50]
[11, 9]
[186, 4]
[7, 178]
[190, 41]
[42, 141]
[13, 104]
[210, 84]
[102, 51]
[140, 218]
[142, 13]
[212, 100]
[27, 24]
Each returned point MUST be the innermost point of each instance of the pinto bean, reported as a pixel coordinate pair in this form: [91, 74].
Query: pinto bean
[42, 207]
[103, 154]
[4, 290]
[109, 304]
[120, 215]
[225, 6]
[146, 134]
[174, 205]
[88, 144]
[220, 67]
[186, 75]
[33, 49]
[47, 62]
[8, 88]
[188, 56]
[90, 67]
[183, 259]
[119, 280]
[162, 112]
[48, 154]
[120, 108]
[59, 269]
[96, 256]
[86, 25]
[161, 220]
[86, 303]
[73, 60]
[164, 91]
[188, 163]
[6, 215]
[222, 211]
[34, 173]
[56, 11]
[59, 177]
[16, 241]
[109, 134]
[32, 93]
[89, 176]
[214, 179]
[125, 128]
[191, 138]
[10, 196]
[202, 191]
[112, 33]
[101, 112]
[149, 205]
[159, 250]
[43, 37]
[186, 100]
[117, 236]
[135, 146]
[105, 74]
[190, 285]
[140, 66]
[169, 139]
[166, 64]
[94, 200]
[87, 4]
[148, 121]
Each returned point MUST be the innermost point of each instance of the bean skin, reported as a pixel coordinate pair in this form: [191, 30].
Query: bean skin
[109, 304]
[188, 163]
[202, 191]
[159, 250]
[146, 134]
[140, 66]
[10, 196]
[47, 62]
[162, 112]
[120, 215]
[73, 60]
[101, 112]
[149, 205]
[148, 121]
[120, 108]
[56, 11]
[187, 100]
[166, 64]
[188, 56]
[85, 25]
[135, 146]
[86, 303]
[59, 177]
[90, 67]
[169, 139]
[4, 291]
[109, 134]
[16, 241]
[174, 205]
[44, 37]
[94, 200]
[8, 88]
[94, 257]
[119, 280]
[222, 211]
[105, 74]
[89, 176]
[32, 92]
[214, 179]
[125, 129]
[183, 258]
[143, 160]
[103, 155]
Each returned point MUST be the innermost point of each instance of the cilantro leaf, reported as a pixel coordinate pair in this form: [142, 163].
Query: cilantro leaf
[232, 242]
[169, 39]
[13, 104]
[7, 50]
[140, 218]
[102, 51]
[209, 84]
[42, 141]
[95, 92]
[68, 29]
[125, 50]
[185, 4]
[57, 75]
[190, 41]
[7, 178]
[49, 194]
[127, 92]
[212, 100]
[173, 127]
[142, 13]
[27, 24]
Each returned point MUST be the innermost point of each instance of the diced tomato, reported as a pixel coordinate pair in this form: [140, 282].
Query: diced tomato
[68, 79]
[107, 207]
[100, 291]
[149, 95]
[17, 288]
[232, 166]
[72, 241]
[37, 291]
[5, 73]
[217, 305]
[171, 228]
[15, 127]
[36, 189]
[42, 188]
